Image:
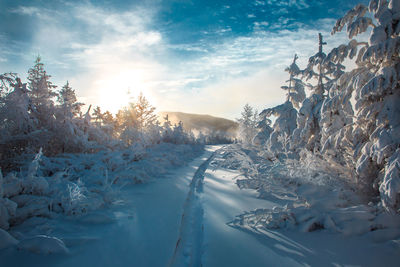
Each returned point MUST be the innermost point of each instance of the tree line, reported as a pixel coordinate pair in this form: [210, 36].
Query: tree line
[35, 115]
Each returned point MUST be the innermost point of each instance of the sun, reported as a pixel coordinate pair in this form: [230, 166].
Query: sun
[116, 91]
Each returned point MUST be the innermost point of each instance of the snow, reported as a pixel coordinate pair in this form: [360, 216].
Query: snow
[43, 244]
[143, 222]
[207, 213]
[276, 229]
[6, 240]
[224, 245]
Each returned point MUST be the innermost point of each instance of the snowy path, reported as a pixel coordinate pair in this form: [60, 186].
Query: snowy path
[188, 250]
[147, 234]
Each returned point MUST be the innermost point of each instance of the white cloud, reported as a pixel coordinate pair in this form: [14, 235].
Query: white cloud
[299, 4]
[26, 10]
[246, 69]
[105, 51]
[108, 52]
[259, 3]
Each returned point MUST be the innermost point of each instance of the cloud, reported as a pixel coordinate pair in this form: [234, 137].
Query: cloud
[105, 52]
[26, 10]
[100, 50]
[242, 69]
[298, 4]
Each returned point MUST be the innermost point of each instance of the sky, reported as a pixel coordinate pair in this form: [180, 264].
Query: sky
[197, 56]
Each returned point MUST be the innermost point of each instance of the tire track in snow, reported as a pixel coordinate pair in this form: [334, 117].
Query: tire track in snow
[189, 246]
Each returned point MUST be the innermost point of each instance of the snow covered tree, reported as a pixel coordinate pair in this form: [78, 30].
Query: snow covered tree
[17, 127]
[70, 137]
[97, 116]
[68, 101]
[108, 123]
[295, 89]
[137, 120]
[284, 125]
[264, 131]
[321, 69]
[337, 122]
[285, 114]
[248, 124]
[145, 113]
[41, 93]
[377, 96]
[167, 131]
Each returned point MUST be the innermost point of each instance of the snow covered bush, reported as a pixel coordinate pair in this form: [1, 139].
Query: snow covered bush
[310, 195]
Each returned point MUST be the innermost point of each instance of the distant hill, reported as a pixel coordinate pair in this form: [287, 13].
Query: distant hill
[203, 123]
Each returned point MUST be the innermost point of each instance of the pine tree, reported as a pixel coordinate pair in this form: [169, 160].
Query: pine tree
[108, 123]
[145, 113]
[97, 116]
[69, 103]
[308, 132]
[248, 124]
[295, 89]
[137, 120]
[69, 136]
[41, 93]
[167, 131]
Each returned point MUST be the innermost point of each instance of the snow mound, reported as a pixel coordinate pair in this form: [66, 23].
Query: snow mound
[43, 244]
[355, 220]
[312, 195]
[6, 240]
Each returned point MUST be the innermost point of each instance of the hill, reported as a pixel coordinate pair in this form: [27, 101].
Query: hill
[200, 122]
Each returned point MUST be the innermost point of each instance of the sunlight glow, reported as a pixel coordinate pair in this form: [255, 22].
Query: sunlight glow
[117, 90]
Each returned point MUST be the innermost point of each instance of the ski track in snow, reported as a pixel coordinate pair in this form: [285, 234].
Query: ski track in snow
[189, 246]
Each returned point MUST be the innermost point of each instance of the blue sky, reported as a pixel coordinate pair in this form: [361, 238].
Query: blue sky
[194, 56]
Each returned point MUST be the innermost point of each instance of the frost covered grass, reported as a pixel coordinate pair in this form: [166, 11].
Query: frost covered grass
[312, 194]
[76, 186]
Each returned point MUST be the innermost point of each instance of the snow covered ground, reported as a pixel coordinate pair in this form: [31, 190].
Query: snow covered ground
[223, 244]
[197, 215]
[143, 209]
[236, 232]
